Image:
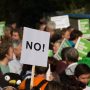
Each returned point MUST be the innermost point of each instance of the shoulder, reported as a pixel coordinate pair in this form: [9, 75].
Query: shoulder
[87, 88]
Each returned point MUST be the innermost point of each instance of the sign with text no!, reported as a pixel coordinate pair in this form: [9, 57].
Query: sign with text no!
[35, 46]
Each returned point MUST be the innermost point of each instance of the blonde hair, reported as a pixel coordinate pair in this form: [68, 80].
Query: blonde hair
[51, 24]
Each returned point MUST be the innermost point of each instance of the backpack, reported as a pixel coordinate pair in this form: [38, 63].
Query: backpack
[35, 87]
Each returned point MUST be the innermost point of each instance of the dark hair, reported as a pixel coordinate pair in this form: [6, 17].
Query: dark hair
[81, 69]
[10, 22]
[75, 34]
[63, 31]
[19, 31]
[40, 70]
[73, 88]
[70, 82]
[53, 85]
[54, 38]
[70, 28]
[64, 52]
[25, 68]
[4, 47]
[53, 63]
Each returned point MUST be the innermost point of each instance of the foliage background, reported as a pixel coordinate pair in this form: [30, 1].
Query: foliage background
[28, 12]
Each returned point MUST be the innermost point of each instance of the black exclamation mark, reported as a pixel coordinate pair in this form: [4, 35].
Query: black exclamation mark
[43, 47]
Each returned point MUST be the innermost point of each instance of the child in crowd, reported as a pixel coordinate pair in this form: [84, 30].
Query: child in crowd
[56, 45]
[75, 34]
[82, 74]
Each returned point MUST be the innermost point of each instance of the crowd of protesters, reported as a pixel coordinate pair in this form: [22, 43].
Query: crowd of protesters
[69, 73]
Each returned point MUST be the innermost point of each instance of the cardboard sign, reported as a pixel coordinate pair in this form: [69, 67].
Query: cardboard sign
[84, 27]
[35, 47]
[61, 21]
[2, 25]
[83, 47]
[64, 44]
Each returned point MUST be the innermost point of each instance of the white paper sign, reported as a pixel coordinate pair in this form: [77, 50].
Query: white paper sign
[61, 21]
[35, 47]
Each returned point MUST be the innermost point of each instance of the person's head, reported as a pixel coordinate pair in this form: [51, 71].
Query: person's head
[63, 53]
[7, 32]
[42, 26]
[17, 34]
[74, 88]
[17, 49]
[70, 28]
[9, 88]
[54, 77]
[53, 85]
[6, 50]
[65, 33]
[40, 70]
[75, 34]
[82, 73]
[56, 45]
[14, 25]
[71, 55]
[50, 27]
[71, 83]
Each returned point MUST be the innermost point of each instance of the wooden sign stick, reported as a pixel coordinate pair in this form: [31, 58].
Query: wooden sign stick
[32, 77]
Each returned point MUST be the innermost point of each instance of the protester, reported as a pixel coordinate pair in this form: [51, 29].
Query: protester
[7, 32]
[50, 27]
[71, 83]
[39, 76]
[70, 28]
[6, 54]
[71, 60]
[51, 74]
[15, 65]
[82, 73]
[65, 74]
[16, 34]
[56, 46]
[26, 71]
[53, 85]
[75, 34]
[62, 64]
[54, 39]
[65, 33]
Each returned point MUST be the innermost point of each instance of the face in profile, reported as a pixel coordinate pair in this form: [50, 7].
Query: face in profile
[66, 35]
[9, 55]
[84, 78]
[15, 36]
[56, 47]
